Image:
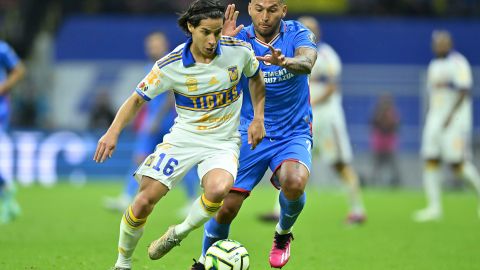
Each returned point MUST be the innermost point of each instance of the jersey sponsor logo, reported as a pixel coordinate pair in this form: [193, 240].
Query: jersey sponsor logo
[191, 83]
[213, 81]
[233, 73]
[209, 101]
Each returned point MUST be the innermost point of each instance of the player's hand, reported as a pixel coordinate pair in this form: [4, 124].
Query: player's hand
[277, 58]
[230, 27]
[105, 147]
[256, 132]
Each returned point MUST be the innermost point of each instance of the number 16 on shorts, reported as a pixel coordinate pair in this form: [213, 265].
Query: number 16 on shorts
[161, 163]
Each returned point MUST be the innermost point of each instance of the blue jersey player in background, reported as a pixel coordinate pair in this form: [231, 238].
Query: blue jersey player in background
[153, 123]
[287, 52]
[11, 72]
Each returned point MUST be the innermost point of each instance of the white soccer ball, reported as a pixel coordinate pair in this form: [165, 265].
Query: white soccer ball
[227, 255]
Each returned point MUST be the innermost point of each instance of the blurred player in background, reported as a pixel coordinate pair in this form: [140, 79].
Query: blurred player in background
[153, 122]
[203, 73]
[330, 135]
[448, 126]
[12, 71]
[287, 53]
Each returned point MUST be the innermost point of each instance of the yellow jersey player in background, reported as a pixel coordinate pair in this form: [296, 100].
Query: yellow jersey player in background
[203, 73]
[330, 136]
[448, 125]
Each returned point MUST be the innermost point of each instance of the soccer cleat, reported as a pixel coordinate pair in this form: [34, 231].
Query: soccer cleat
[164, 244]
[197, 265]
[121, 268]
[280, 253]
[269, 217]
[427, 214]
[355, 219]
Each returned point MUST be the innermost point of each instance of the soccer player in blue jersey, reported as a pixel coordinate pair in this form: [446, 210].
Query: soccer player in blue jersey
[159, 115]
[287, 52]
[11, 72]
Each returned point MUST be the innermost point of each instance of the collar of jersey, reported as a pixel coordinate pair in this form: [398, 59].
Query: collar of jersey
[251, 30]
[187, 56]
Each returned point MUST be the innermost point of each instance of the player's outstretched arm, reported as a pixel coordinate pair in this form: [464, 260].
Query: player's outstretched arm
[15, 75]
[256, 130]
[106, 145]
[301, 63]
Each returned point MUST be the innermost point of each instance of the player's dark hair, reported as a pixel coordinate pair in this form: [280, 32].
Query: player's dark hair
[200, 10]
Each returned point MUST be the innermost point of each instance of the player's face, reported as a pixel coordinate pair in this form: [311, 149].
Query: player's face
[441, 46]
[266, 16]
[206, 35]
[156, 46]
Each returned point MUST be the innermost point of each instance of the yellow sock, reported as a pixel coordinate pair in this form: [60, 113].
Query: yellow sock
[202, 210]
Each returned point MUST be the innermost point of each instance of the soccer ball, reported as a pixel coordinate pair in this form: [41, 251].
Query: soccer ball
[227, 255]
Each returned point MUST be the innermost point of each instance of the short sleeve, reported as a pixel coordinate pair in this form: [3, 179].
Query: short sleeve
[8, 57]
[252, 66]
[153, 84]
[462, 78]
[304, 38]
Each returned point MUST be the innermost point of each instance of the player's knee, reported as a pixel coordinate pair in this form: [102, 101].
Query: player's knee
[294, 186]
[217, 192]
[143, 204]
[456, 167]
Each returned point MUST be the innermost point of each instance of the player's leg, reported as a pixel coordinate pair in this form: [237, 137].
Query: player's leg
[350, 179]
[216, 183]
[217, 172]
[292, 170]
[134, 218]
[253, 165]
[9, 207]
[457, 155]
[431, 152]
[341, 158]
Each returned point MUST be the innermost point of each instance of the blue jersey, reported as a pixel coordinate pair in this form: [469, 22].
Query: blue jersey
[287, 102]
[8, 61]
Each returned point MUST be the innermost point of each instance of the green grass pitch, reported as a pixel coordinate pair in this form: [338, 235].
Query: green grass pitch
[65, 227]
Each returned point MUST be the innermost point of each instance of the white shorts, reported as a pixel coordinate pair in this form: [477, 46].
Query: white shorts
[330, 136]
[451, 145]
[171, 159]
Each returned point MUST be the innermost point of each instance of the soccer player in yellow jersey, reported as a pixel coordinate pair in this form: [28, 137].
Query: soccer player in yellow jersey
[448, 124]
[203, 73]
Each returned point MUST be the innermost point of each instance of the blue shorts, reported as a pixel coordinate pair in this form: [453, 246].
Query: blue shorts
[270, 153]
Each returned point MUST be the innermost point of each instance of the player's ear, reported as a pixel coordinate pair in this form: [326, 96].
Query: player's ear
[284, 11]
[190, 27]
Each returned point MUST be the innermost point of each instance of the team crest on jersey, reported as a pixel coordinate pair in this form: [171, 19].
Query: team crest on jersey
[233, 73]
[191, 83]
[143, 86]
